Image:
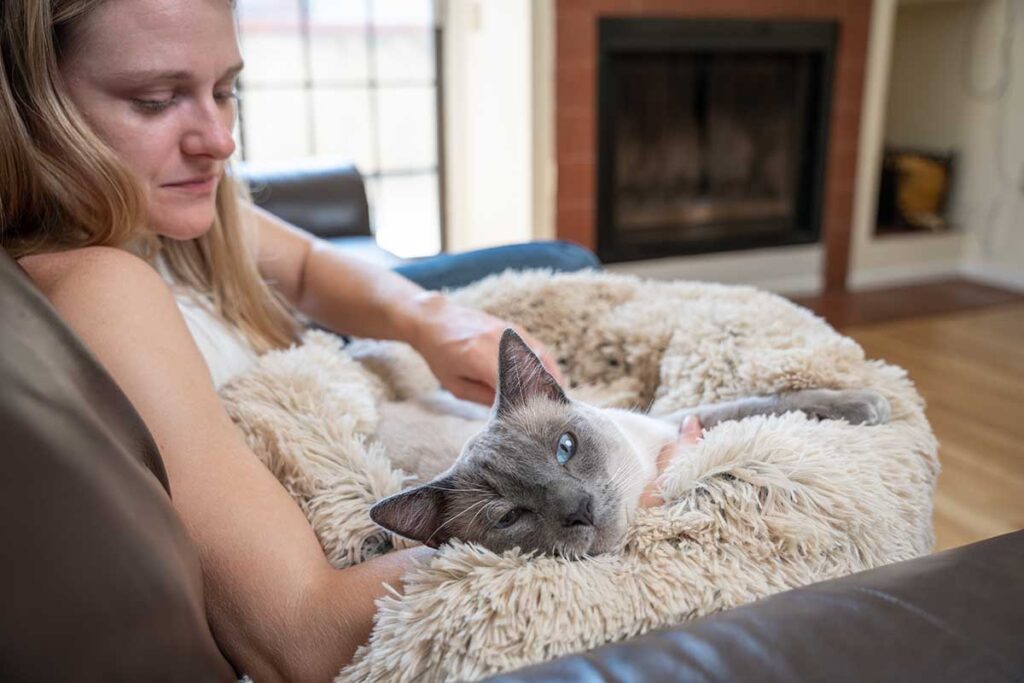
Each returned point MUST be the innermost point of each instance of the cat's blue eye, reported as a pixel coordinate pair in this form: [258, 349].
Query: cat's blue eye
[566, 448]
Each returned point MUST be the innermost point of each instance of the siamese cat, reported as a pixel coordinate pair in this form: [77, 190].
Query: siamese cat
[546, 473]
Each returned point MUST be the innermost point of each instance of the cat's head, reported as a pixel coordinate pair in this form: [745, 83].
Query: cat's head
[542, 475]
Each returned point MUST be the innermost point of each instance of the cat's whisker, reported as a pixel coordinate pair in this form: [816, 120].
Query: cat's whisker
[449, 489]
[618, 485]
[451, 519]
[618, 474]
[626, 467]
[616, 477]
[473, 520]
[448, 521]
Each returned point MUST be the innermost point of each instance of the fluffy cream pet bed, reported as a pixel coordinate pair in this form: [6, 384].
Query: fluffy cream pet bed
[759, 506]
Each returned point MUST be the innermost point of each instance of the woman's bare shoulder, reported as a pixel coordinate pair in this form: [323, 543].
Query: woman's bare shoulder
[80, 283]
[107, 296]
[65, 272]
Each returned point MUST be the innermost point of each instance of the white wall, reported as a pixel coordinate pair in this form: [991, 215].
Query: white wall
[545, 166]
[991, 201]
[927, 107]
[916, 95]
[489, 122]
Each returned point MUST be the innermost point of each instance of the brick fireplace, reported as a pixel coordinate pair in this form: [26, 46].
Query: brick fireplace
[577, 107]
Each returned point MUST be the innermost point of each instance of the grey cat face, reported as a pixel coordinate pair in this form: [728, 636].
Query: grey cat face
[538, 477]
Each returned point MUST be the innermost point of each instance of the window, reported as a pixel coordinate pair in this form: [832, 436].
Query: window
[354, 80]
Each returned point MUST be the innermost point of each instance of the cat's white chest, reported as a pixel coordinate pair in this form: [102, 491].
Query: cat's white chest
[645, 437]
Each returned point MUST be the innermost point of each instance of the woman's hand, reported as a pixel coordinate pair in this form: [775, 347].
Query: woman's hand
[689, 435]
[461, 346]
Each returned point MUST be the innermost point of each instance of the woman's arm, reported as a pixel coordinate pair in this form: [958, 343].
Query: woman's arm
[339, 291]
[276, 607]
[354, 297]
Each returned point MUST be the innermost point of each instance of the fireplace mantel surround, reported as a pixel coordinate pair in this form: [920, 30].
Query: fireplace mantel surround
[576, 105]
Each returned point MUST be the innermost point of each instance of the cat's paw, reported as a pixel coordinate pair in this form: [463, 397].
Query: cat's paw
[856, 406]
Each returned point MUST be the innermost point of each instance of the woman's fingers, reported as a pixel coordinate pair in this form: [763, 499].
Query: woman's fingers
[471, 390]
[461, 346]
[689, 434]
[690, 430]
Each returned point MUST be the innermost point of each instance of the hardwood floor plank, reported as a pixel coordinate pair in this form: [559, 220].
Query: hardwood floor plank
[992, 337]
[964, 438]
[844, 309]
[988, 389]
[969, 367]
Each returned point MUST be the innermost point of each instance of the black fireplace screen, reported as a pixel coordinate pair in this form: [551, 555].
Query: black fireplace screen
[711, 135]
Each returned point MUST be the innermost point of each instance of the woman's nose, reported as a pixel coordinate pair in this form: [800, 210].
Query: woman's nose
[209, 133]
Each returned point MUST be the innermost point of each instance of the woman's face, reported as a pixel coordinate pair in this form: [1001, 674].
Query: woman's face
[155, 80]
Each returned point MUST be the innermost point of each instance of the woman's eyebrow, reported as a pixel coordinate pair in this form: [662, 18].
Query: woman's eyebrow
[233, 71]
[170, 76]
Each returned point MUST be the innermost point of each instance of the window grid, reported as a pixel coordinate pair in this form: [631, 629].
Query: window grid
[372, 84]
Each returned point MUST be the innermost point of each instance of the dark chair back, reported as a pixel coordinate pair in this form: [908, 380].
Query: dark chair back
[326, 199]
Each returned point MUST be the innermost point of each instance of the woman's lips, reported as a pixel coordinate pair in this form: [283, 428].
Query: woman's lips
[200, 185]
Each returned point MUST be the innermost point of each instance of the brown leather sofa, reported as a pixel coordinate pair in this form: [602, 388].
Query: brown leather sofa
[100, 582]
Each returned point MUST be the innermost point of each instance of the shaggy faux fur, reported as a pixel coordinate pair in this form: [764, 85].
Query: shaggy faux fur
[757, 507]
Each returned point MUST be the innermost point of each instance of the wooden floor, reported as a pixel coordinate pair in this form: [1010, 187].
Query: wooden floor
[847, 309]
[969, 366]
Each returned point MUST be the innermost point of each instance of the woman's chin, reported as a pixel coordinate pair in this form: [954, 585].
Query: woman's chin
[186, 229]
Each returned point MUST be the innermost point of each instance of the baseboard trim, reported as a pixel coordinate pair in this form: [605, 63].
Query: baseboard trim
[793, 270]
[1008, 278]
[894, 276]
[796, 271]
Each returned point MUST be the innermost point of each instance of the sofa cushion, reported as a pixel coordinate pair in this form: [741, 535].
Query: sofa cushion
[954, 616]
[100, 580]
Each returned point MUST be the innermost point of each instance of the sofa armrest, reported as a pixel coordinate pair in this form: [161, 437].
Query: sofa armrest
[323, 198]
[100, 579]
[953, 616]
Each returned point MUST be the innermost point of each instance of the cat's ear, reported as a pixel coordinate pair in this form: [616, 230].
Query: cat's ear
[521, 375]
[416, 514]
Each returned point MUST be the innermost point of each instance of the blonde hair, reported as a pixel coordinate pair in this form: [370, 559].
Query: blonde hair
[62, 187]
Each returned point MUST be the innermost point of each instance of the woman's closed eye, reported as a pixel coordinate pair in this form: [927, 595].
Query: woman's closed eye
[159, 104]
[230, 95]
[154, 104]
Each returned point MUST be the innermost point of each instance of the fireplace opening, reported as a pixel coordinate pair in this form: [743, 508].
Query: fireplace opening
[711, 134]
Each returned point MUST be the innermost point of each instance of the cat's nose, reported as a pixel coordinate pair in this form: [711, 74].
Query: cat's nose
[583, 514]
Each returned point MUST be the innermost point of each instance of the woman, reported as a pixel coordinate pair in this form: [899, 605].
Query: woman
[115, 131]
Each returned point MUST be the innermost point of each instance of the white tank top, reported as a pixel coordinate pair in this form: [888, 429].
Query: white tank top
[225, 349]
